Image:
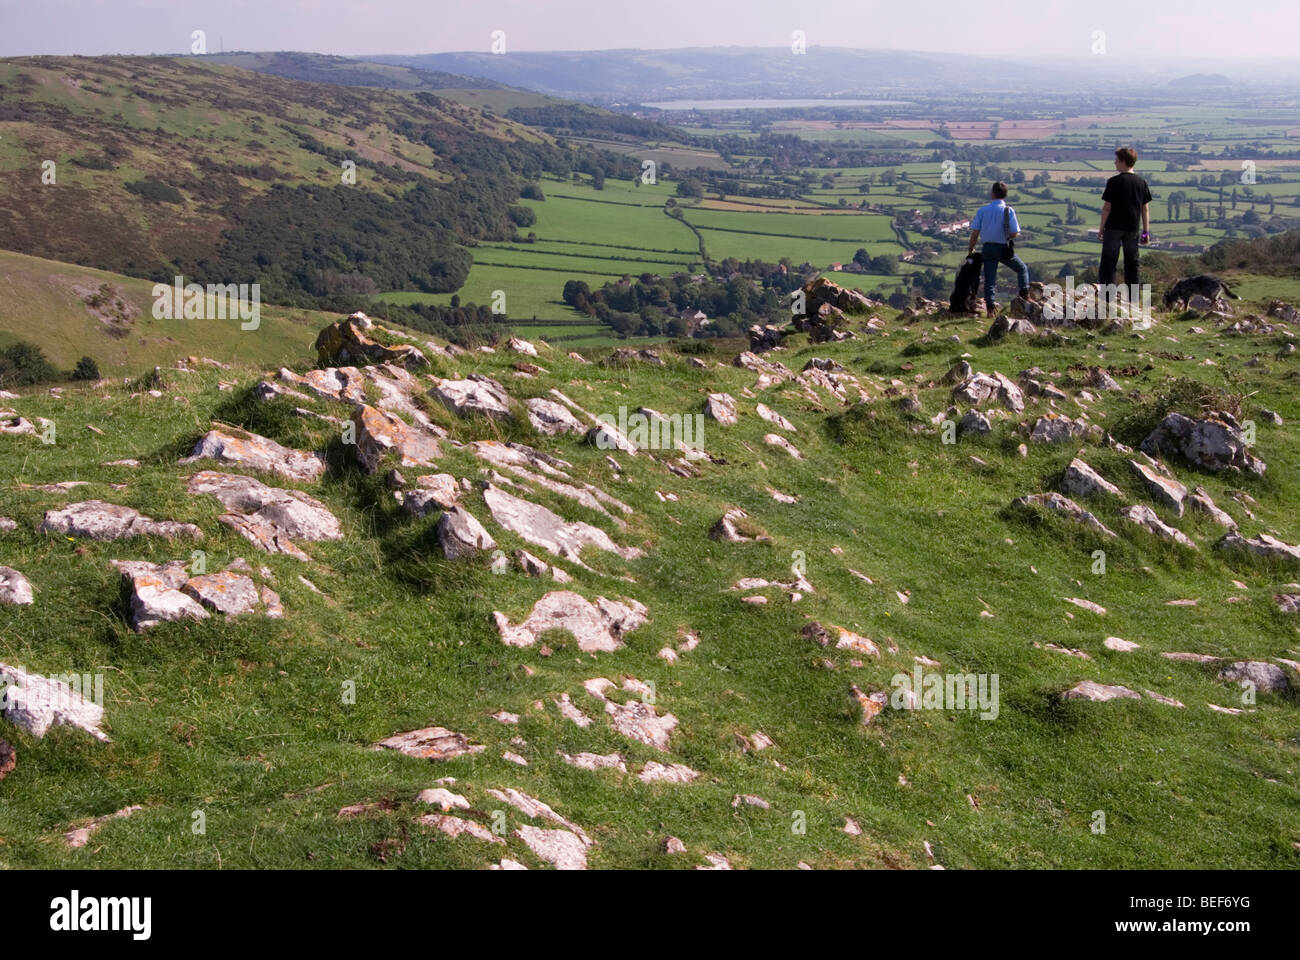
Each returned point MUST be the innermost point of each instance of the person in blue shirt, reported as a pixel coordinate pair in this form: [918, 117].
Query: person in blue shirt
[990, 224]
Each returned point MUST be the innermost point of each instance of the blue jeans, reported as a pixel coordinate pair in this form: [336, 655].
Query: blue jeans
[992, 257]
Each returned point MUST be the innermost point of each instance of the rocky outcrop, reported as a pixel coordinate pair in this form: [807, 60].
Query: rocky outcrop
[1146, 518]
[36, 703]
[1261, 546]
[380, 432]
[461, 535]
[1080, 480]
[475, 395]
[1212, 443]
[268, 517]
[598, 626]
[430, 743]
[550, 418]
[240, 447]
[720, 407]
[98, 520]
[15, 589]
[1099, 692]
[1163, 490]
[347, 342]
[1064, 505]
[1266, 677]
[542, 527]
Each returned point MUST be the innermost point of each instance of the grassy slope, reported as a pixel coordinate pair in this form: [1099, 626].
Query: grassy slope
[244, 719]
[38, 304]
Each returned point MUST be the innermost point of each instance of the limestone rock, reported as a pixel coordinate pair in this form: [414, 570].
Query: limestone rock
[430, 743]
[720, 407]
[224, 592]
[654, 772]
[1164, 490]
[560, 848]
[771, 416]
[1064, 505]
[1267, 677]
[379, 432]
[1099, 692]
[546, 529]
[461, 535]
[597, 626]
[476, 394]
[1213, 443]
[1081, 480]
[234, 446]
[1261, 546]
[551, 418]
[1200, 500]
[156, 595]
[98, 520]
[347, 342]
[15, 589]
[1146, 518]
[36, 703]
[268, 517]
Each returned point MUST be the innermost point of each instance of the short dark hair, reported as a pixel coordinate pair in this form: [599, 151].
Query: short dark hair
[999, 190]
[1127, 156]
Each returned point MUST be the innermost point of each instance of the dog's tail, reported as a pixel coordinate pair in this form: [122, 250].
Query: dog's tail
[1228, 290]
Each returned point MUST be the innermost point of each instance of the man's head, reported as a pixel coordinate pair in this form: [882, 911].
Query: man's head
[999, 191]
[1126, 159]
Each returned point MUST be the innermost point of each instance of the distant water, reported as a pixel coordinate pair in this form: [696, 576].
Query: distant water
[766, 104]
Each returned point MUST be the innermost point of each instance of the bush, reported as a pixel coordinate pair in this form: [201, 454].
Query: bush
[24, 364]
[154, 189]
[86, 369]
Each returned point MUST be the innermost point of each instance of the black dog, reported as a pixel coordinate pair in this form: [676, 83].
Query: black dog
[965, 292]
[1203, 285]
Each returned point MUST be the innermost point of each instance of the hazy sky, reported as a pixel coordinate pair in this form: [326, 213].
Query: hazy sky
[1190, 29]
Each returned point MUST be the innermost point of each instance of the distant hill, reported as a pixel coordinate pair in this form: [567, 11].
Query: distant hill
[166, 166]
[1201, 81]
[323, 68]
[713, 72]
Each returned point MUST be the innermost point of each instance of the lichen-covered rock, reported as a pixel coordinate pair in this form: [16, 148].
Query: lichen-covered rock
[1164, 490]
[156, 595]
[1064, 505]
[1081, 480]
[434, 491]
[461, 535]
[597, 626]
[1261, 546]
[271, 518]
[15, 589]
[549, 417]
[235, 446]
[1266, 677]
[430, 743]
[98, 520]
[546, 529]
[36, 703]
[720, 407]
[347, 342]
[476, 394]
[1213, 443]
[1099, 692]
[380, 432]
[224, 592]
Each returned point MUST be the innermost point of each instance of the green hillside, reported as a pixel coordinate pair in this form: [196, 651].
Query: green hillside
[908, 542]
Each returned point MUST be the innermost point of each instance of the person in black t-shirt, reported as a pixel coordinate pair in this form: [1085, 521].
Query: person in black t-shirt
[1125, 207]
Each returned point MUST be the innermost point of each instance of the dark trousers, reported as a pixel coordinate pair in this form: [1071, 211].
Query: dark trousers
[1112, 241]
[993, 254]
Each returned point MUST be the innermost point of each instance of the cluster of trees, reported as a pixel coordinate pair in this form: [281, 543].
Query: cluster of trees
[572, 119]
[740, 293]
[467, 325]
[25, 364]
